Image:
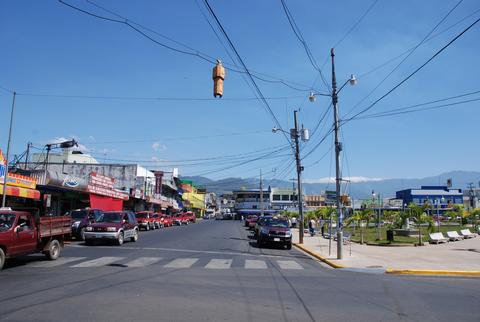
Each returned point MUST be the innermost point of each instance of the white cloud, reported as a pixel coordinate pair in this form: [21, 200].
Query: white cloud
[350, 179]
[156, 146]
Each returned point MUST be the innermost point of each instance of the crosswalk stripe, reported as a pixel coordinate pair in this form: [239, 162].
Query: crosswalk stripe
[58, 262]
[255, 264]
[143, 261]
[289, 265]
[181, 263]
[102, 261]
[219, 264]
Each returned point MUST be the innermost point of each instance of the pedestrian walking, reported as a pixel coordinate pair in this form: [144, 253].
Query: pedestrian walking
[311, 227]
[294, 222]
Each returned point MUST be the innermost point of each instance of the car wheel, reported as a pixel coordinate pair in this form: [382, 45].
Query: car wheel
[259, 242]
[135, 236]
[120, 239]
[289, 246]
[53, 250]
[82, 234]
[89, 242]
[2, 258]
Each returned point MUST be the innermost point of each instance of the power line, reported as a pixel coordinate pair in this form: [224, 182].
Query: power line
[137, 27]
[259, 92]
[365, 74]
[349, 31]
[152, 98]
[415, 71]
[298, 34]
[406, 57]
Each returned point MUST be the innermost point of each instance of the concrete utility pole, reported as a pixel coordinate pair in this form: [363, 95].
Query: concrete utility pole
[338, 149]
[261, 194]
[299, 177]
[5, 177]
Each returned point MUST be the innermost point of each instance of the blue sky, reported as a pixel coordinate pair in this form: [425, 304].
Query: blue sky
[49, 48]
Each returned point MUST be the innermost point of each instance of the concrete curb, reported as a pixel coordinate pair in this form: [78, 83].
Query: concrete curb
[318, 256]
[432, 272]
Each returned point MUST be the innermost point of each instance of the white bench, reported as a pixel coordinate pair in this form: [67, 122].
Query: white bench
[436, 238]
[467, 233]
[453, 236]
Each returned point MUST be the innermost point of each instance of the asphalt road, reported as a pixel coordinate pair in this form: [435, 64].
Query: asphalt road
[213, 271]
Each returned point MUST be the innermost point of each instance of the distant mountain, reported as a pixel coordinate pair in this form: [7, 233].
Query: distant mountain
[359, 190]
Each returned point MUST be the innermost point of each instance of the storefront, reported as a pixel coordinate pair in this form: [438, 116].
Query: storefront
[19, 189]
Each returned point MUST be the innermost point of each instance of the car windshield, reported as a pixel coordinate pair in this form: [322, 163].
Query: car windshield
[78, 214]
[115, 217]
[141, 215]
[277, 223]
[6, 221]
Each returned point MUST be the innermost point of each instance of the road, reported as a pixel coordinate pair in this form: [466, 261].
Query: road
[213, 271]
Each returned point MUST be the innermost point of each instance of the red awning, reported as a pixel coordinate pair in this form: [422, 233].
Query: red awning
[21, 192]
[105, 203]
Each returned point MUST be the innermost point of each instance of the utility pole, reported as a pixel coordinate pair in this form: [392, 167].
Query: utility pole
[293, 191]
[471, 200]
[299, 178]
[5, 177]
[29, 144]
[338, 149]
[261, 194]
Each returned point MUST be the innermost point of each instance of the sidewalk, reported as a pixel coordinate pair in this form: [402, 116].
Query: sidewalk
[453, 256]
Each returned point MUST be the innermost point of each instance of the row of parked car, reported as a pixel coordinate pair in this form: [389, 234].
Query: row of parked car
[92, 225]
[270, 230]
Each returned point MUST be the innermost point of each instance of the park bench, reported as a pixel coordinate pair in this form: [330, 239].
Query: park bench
[436, 238]
[467, 233]
[453, 236]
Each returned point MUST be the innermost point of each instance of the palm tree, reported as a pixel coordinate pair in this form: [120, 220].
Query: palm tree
[364, 215]
[421, 217]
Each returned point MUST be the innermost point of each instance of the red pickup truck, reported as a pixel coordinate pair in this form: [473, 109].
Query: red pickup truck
[22, 233]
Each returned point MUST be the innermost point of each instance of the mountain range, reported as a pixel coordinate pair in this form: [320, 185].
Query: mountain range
[357, 187]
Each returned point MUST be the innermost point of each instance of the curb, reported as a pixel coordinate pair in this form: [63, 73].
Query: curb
[318, 256]
[432, 272]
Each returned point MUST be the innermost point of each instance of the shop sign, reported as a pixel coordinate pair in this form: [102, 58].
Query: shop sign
[103, 185]
[14, 179]
[101, 180]
[71, 181]
[136, 193]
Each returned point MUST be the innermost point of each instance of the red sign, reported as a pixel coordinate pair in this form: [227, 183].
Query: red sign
[103, 185]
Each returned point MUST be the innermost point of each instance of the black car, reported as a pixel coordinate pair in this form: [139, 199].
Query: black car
[275, 231]
[81, 218]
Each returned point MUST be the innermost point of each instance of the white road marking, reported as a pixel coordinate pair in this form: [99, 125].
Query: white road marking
[58, 262]
[289, 265]
[181, 263]
[143, 261]
[255, 264]
[219, 264]
[102, 261]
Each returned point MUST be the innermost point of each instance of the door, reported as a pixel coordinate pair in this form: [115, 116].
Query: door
[24, 234]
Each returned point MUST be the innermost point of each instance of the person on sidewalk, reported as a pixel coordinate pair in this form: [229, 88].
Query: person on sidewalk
[323, 230]
[311, 227]
[294, 222]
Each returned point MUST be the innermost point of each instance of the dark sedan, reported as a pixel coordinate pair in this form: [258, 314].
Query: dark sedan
[275, 231]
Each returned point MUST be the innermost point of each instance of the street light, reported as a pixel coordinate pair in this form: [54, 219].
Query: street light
[62, 145]
[294, 135]
[338, 147]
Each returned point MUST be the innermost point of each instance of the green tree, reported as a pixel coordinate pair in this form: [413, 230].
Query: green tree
[419, 214]
[364, 216]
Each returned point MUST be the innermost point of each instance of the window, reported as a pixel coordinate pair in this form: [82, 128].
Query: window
[285, 198]
[276, 197]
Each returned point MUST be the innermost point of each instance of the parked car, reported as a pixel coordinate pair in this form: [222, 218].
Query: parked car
[247, 220]
[275, 231]
[252, 221]
[81, 218]
[113, 226]
[21, 233]
[145, 220]
[180, 219]
[190, 215]
[167, 220]
[158, 220]
[262, 221]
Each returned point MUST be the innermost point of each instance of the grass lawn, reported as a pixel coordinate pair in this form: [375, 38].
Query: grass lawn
[370, 234]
